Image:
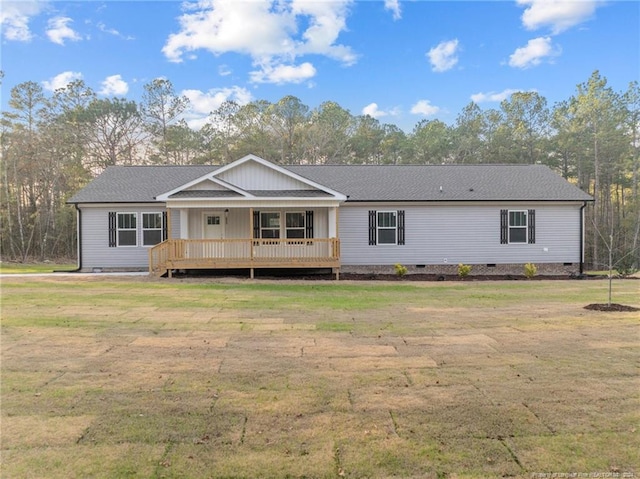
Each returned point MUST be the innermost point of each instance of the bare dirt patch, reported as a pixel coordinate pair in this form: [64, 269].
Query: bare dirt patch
[611, 307]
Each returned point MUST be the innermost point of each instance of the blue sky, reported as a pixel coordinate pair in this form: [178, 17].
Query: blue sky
[399, 61]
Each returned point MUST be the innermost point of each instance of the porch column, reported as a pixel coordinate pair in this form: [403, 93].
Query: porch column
[333, 222]
[184, 223]
[251, 272]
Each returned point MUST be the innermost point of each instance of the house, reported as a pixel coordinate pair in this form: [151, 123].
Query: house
[254, 214]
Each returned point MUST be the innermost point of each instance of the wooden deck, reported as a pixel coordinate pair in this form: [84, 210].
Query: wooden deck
[177, 254]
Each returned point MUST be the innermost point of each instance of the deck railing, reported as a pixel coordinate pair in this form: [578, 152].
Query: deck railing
[244, 253]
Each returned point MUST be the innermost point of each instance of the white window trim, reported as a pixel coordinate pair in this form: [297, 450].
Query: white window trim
[378, 228]
[118, 229]
[525, 227]
[143, 229]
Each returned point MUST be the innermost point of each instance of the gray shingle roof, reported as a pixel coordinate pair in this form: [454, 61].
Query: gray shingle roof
[137, 184]
[458, 182]
[290, 193]
[206, 194]
[359, 182]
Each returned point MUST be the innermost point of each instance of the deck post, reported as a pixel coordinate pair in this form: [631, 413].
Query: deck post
[250, 273]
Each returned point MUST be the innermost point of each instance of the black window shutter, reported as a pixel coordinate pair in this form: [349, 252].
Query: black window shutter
[400, 227]
[531, 226]
[165, 230]
[504, 226]
[256, 224]
[372, 228]
[112, 229]
[309, 224]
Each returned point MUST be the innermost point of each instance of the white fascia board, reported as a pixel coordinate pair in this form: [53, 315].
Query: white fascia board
[209, 177]
[497, 203]
[146, 204]
[254, 203]
[337, 195]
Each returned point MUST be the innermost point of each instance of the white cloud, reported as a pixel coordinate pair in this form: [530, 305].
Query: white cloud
[443, 57]
[493, 96]
[201, 104]
[394, 6]
[59, 30]
[374, 111]
[559, 15]
[533, 53]
[61, 80]
[112, 31]
[424, 107]
[224, 70]
[114, 85]
[221, 26]
[15, 16]
[280, 74]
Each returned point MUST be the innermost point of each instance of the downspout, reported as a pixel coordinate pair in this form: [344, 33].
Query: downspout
[584, 205]
[79, 237]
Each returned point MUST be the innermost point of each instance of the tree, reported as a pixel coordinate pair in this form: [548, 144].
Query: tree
[184, 144]
[468, 135]
[597, 115]
[114, 132]
[20, 154]
[253, 122]
[161, 108]
[395, 146]
[220, 133]
[365, 144]
[495, 138]
[288, 117]
[327, 135]
[431, 143]
[526, 119]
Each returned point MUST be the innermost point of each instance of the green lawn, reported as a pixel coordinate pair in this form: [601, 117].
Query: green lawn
[114, 377]
[27, 268]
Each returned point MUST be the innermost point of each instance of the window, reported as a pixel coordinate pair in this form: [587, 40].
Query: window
[295, 225]
[151, 228]
[517, 226]
[386, 227]
[270, 224]
[127, 229]
[387, 224]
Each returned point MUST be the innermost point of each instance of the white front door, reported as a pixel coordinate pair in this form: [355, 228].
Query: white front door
[213, 225]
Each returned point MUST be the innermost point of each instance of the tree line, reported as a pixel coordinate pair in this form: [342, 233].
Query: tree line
[53, 144]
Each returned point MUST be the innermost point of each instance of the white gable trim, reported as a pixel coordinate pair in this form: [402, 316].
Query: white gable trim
[280, 169]
[210, 177]
[213, 176]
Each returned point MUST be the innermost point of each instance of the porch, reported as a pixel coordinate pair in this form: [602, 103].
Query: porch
[177, 254]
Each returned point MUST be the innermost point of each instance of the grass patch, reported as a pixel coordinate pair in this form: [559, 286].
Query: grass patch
[30, 268]
[138, 377]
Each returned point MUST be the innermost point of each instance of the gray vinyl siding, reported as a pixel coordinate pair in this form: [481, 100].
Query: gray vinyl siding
[96, 252]
[452, 234]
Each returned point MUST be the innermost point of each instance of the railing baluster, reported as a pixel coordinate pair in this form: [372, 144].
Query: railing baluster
[201, 253]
